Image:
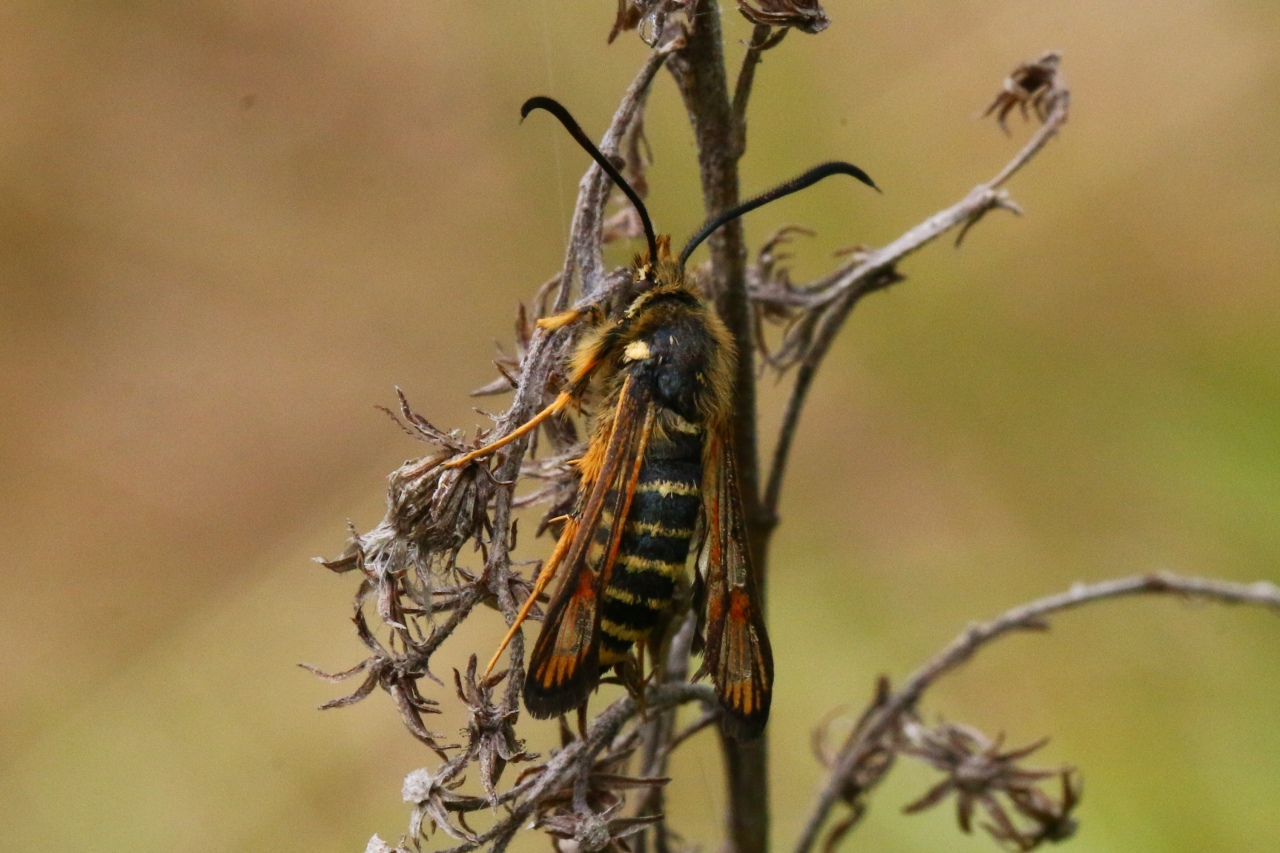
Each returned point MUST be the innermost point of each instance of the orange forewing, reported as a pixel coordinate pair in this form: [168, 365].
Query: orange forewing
[737, 653]
[564, 665]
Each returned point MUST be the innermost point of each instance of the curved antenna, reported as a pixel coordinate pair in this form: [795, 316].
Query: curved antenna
[808, 179]
[556, 109]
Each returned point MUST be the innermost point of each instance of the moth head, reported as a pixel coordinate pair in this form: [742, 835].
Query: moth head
[659, 269]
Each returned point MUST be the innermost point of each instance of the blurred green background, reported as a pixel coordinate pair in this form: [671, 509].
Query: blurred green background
[230, 229]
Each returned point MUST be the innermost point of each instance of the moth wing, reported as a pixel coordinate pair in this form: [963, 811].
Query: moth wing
[564, 665]
[737, 653]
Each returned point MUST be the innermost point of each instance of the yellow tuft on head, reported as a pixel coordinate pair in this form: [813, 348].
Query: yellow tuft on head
[636, 351]
[646, 267]
[664, 247]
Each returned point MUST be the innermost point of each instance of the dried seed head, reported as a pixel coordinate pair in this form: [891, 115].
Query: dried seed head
[592, 833]
[982, 775]
[432, 794]
[1034, 85]
[432, 513]
[377, 845]
[807, 16]
[589, 832]
[491, 736]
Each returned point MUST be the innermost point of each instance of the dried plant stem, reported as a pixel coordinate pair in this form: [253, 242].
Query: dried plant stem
[884, 717]
[585, 253]
[568, 762]
[837, 294]
[699, 69]
[763, 37]
[659, 735]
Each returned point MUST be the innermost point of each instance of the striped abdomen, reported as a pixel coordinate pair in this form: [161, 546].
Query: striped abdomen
[654, 544]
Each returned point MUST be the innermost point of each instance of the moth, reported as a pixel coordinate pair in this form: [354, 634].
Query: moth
[658, 477]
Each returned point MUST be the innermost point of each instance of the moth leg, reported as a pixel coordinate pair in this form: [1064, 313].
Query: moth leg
[631, 674]
[564, 318]
[582, 721]
[544, 578]
[594, 312]
[562, 399]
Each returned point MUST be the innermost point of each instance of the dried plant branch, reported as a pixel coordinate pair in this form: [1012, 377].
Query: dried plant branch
[585, 257]
[763, 37]
[849, 780]
[410, 562]
[829, 301]
[699, 71]
[805, 15]
[585, 254]
[658, 736]
[523, 800]
[434, 511]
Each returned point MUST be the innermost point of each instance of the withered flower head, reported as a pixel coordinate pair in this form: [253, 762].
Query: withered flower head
[774, 299]
[980, 774]
[395, 672]
[579, 810]
[432, 512]
[432, 794]
[491, 736]
[807, 16]
[377, 845]
[1031, 86]
[590, 832]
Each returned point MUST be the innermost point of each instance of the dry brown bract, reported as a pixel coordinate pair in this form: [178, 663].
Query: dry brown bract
[585, 810]
[980, 774]
[491, 734]
[1031, 86]
[647, 16]
[807, 16]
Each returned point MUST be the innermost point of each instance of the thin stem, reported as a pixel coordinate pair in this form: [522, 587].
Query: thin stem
[762, 38]
[699, 70]
[568, 761]
[659, 736]
[883, 717]
[840, 291]
[585, 254]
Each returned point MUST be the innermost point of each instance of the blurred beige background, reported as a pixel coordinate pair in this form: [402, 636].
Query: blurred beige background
[230, 229]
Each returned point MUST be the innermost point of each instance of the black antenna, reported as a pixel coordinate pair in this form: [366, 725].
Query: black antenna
[808, 179]
[557, 110]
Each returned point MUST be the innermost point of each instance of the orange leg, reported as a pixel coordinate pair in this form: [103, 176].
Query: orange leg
[564, 318]
[557, 404]
[544, 578]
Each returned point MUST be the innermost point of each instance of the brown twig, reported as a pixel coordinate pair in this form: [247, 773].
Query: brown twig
[763, 37]
[659, 736]
[699, 70]
[584, 256]
[585, 253]
[836, 295]
[584, 260]
[527, 795]
[455, 506]
[882, 719]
